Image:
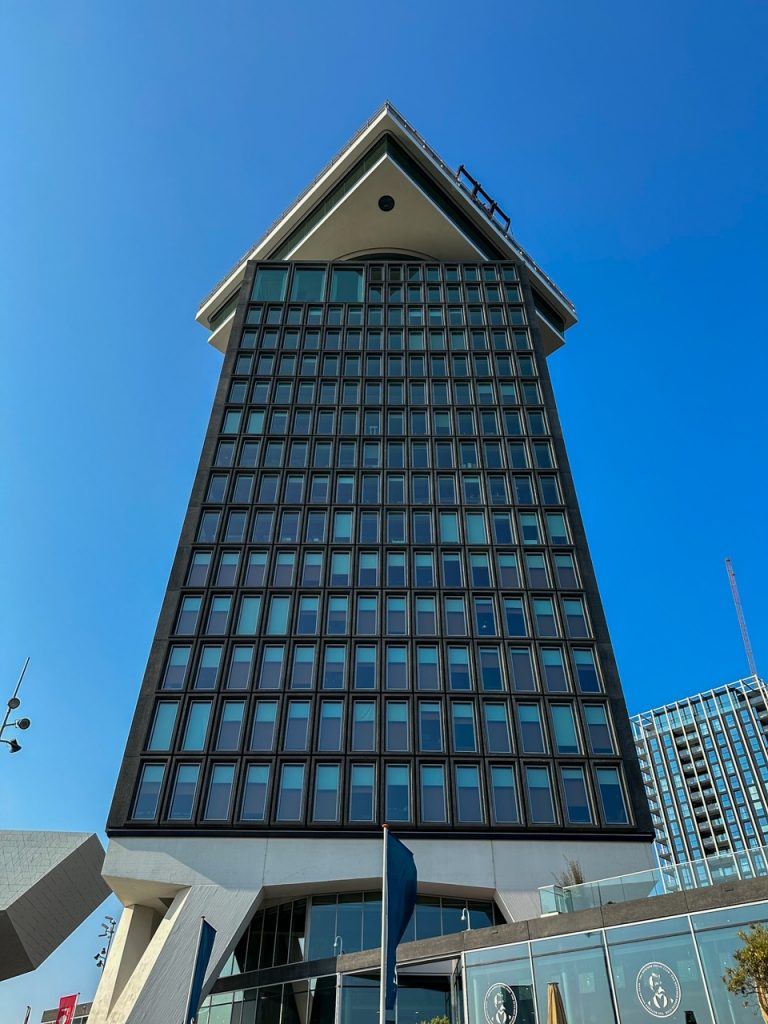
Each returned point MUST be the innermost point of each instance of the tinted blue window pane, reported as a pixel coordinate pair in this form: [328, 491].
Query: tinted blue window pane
[347, 285]
[148, 792]
[270, 284]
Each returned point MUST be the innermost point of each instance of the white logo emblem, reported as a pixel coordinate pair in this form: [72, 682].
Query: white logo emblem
[658, 989]
[500, 1005]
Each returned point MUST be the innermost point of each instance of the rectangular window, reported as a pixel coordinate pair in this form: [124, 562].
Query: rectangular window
[219, 800]
[480, 568]
[586, 671]
[249, 615]
[504, 796]
[346, 285]
[566, 572]
[455, 616]
[279, 616]
[364, 725]
[598, 729]
[468, 797]
[197, 725]
[334, 668]
[270, 284]
[303, 667]
[296, 735]
[491, 676]
[452, 574]
[255, 792]
[326, 805]
[312, 571]
[575, 618]
[464, 732]
[367, 615]
[531, 729]
[264, 721]
[365, 668]
[208, 668]
[161, 734]
[148, 792]
[485, 617]
[555, 678]
[256, 571]
[397, 668]
[430, 727]
[176, 669]
[515, 616]
[361, 799]
[338, 615]
[612, 796]
[459, 672]
[290, 797]
[544, 615]
[308, 612]
[521, 668]
[433, 802]
[231, 726]
[330, 729]
[398, 793]
[577, 807]
[540, 801]
[184, 792]
[509, 575]
[497, 731]
[271, 674]
[189, 613]
[566, 736]
[426, 616]
[397, 728]
[424, 569]
[427, 672]
[218, 616]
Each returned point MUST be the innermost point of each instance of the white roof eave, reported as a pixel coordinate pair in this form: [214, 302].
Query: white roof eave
[386, 120]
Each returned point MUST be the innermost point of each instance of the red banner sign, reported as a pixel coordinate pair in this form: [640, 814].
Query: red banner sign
[67, 1006]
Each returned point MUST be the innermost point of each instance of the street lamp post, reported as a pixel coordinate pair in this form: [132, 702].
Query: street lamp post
[21, 723]
[108, 926]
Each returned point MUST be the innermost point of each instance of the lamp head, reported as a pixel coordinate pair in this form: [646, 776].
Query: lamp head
[24, 723]
[14, 746]
[14, 703]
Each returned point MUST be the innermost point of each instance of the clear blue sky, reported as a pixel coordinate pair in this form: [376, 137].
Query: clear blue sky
[146, 146]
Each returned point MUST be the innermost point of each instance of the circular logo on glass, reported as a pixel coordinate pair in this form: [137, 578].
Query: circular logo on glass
[500, 1005]
[658, 989]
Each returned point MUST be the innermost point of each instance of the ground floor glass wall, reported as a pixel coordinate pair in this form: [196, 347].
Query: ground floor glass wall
[667, 970]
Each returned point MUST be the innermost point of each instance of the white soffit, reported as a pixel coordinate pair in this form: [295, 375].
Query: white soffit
[357, 225]
[323, 241]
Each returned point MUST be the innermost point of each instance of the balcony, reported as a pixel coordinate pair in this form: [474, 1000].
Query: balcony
[694, 874]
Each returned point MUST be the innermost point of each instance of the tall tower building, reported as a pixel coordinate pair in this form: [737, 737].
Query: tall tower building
[382, 607]
[704, 761]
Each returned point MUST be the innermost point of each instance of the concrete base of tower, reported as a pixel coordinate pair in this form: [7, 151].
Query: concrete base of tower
[167, 884]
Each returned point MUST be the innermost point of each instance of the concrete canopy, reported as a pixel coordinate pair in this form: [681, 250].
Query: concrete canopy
[49, 883]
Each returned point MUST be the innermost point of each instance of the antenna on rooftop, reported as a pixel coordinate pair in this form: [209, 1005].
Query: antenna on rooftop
[740, 614]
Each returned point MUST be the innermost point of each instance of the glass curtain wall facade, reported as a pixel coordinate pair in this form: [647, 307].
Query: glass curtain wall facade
[382, 608]
[704, 762]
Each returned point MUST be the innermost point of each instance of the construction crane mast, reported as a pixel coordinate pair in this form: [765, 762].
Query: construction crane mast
[742, 620]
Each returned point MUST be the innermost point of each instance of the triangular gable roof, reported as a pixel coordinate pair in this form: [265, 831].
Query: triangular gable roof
[436, 217]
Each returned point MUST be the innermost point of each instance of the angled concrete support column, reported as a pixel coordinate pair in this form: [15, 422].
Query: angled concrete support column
[148, 979]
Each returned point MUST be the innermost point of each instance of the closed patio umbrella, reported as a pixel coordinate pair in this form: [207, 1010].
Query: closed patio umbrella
[555, 1008]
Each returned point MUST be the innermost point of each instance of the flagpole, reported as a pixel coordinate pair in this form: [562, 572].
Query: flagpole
[192, 976]
[383, 980]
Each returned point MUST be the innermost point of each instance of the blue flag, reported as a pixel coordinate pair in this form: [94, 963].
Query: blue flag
[204, 949]
[400, 900]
